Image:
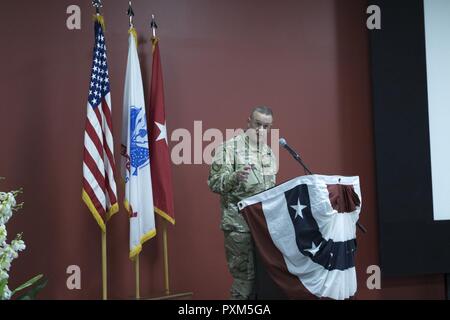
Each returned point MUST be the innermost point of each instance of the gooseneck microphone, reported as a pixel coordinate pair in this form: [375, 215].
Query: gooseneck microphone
[296, 156]
[293, 153]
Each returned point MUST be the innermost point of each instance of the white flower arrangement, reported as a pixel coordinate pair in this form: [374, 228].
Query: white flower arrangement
[9, 252]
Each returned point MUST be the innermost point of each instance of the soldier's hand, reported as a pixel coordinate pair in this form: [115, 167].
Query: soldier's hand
[242, 176]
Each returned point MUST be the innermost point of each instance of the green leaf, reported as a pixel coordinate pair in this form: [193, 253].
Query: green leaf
[31, 294]
[2, 286]
[27, 284]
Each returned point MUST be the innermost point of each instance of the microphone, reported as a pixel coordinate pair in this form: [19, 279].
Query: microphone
[284, 144]
[293, 153]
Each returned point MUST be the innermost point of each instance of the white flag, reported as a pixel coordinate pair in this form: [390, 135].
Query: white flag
[135, 151]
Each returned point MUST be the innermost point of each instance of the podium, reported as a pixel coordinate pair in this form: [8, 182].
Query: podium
[265, 287]
[304, 232]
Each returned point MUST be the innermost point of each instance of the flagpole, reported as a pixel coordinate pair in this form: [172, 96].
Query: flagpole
[130, 14]
[104, 271]
[166, 258]
[97, 5]
[136, 267]
[154, 26]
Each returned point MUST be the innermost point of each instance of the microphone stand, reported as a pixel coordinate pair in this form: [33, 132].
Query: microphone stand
[299, 160]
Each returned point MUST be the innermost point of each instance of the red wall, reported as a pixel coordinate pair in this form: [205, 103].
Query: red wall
[309, 60]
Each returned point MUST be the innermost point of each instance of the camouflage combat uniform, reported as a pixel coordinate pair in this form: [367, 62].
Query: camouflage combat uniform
[230, 157]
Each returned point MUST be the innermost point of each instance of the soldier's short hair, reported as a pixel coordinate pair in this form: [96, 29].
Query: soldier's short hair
[262, 109]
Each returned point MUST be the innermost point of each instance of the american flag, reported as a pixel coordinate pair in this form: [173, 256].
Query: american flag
[99, 186]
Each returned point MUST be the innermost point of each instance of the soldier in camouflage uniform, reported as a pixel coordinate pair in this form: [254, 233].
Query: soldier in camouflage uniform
[242, 166]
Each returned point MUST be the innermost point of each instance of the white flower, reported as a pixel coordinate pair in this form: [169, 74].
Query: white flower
[5, 213]
[18, 245]
[11, 199]
[6, 294]
[7, 255]
[8, 252]
[12, 254]
[5, 263]
[3, 275]
[3, 234]
[5, 209]
[4, 219]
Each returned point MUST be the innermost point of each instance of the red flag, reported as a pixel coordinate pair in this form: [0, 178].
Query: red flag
[159, 148]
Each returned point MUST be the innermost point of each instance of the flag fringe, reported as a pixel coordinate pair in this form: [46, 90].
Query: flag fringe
[87, 200]
[165, 215]
[99, 18]
[154, 42]
[137, 249]
[112, 211]
[134, 33]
